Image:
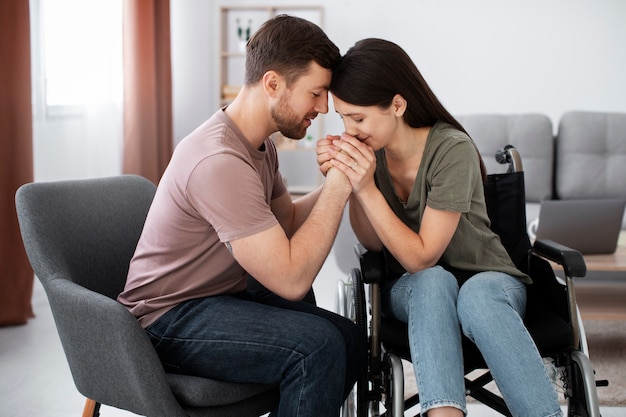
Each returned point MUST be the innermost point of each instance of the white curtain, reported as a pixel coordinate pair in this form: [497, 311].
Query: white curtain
[77, 84]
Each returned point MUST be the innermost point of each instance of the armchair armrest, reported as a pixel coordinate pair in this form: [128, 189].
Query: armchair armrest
[86, 321]
[570, 259]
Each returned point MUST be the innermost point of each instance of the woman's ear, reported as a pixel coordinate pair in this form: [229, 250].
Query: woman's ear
[398, 105]
[272, 83]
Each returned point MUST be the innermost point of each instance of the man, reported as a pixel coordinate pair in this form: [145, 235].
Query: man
[222, 217]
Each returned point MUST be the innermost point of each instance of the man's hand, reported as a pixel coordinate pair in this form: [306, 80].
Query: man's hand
[338, 181]
[323, 155]
[355, 159]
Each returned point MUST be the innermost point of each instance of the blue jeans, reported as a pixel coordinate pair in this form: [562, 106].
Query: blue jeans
[488, 309]
[314, 355]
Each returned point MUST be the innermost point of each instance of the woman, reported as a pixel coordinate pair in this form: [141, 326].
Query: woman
[417, 193]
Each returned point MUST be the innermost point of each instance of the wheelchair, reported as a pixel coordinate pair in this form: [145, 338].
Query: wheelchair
[552, 317]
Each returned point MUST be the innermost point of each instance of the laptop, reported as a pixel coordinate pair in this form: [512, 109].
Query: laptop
[590, 226]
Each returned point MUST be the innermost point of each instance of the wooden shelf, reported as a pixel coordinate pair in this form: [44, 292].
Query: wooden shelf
[237, 23]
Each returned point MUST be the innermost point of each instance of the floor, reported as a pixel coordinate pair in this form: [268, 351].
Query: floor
[35, 379]
[601, 298]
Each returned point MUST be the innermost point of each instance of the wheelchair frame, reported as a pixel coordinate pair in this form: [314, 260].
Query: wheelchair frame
[383, 383]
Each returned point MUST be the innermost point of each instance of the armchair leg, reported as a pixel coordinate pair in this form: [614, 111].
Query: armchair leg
[92, 408]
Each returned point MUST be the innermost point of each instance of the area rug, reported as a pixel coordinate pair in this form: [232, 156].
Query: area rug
[606, 341]
[607, 351]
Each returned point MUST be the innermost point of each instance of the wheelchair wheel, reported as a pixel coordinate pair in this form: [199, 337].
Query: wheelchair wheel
[576, 403]
[351, 304]
[393, 376]
[362, 386]
[580, 387]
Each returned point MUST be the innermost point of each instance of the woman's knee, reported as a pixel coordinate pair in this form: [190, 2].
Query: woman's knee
[488, 295]
[433, 282]
[430, 289]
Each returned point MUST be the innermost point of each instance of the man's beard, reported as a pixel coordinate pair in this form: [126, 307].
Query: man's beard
[287, 122]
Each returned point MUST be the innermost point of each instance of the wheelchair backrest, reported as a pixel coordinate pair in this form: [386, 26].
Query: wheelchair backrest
[506, 207]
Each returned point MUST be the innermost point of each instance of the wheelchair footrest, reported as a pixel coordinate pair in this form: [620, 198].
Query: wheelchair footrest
[602, 383]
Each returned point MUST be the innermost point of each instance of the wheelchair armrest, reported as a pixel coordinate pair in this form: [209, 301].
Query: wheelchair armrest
[372, 265]
[572, 261]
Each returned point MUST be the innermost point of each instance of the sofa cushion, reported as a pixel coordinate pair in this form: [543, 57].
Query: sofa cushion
[591, 155]
[531, 134]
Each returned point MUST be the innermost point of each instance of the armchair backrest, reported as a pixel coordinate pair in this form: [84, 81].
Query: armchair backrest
[80, 236]
[85, 231]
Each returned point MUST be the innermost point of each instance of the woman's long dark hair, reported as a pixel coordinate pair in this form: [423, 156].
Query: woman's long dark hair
[373, 71]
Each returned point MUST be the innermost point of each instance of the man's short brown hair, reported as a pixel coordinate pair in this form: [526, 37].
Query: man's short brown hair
[287, 45]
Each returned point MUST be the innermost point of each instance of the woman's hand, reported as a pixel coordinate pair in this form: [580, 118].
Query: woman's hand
[354, 158]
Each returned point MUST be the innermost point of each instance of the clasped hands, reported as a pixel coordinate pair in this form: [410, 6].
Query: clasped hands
[353, 158]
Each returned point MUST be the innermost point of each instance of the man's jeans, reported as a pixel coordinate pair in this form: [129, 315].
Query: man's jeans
[488, 309]
[255, 336]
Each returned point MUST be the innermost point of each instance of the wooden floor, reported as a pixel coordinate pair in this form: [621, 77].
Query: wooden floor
[601, 300]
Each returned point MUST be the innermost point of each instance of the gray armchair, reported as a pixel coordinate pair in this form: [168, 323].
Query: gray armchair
[80, 236]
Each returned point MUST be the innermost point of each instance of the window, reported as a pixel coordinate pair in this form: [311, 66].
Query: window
[77, 54]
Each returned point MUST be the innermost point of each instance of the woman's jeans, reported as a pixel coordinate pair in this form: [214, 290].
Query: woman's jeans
[314, 355]
[488, 309]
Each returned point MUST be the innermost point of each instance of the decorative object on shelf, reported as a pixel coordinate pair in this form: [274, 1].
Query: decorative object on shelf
[243, 35]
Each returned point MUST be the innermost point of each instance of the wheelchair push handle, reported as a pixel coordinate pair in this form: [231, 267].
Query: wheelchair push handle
[510, 155]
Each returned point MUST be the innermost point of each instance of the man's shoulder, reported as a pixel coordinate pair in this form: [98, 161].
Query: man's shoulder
[213, 136]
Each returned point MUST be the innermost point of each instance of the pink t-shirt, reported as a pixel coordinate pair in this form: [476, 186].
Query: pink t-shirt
[216, 188]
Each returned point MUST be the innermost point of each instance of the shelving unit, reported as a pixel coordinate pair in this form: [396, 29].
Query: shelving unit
[237, 24]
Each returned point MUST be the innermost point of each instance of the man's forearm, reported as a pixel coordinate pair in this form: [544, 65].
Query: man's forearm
[303, 206]
[313, 240]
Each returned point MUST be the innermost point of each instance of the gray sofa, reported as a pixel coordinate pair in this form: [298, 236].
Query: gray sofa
[591, 156]
[586, 158]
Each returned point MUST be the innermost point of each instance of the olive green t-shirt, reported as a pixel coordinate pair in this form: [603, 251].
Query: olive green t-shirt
[449, 179]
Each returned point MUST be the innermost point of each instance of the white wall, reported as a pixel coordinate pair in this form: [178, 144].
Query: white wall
[516, 56]
[547, 56]
[194, 46]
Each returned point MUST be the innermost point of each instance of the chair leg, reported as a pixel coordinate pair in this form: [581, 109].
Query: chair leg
[92, 408]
